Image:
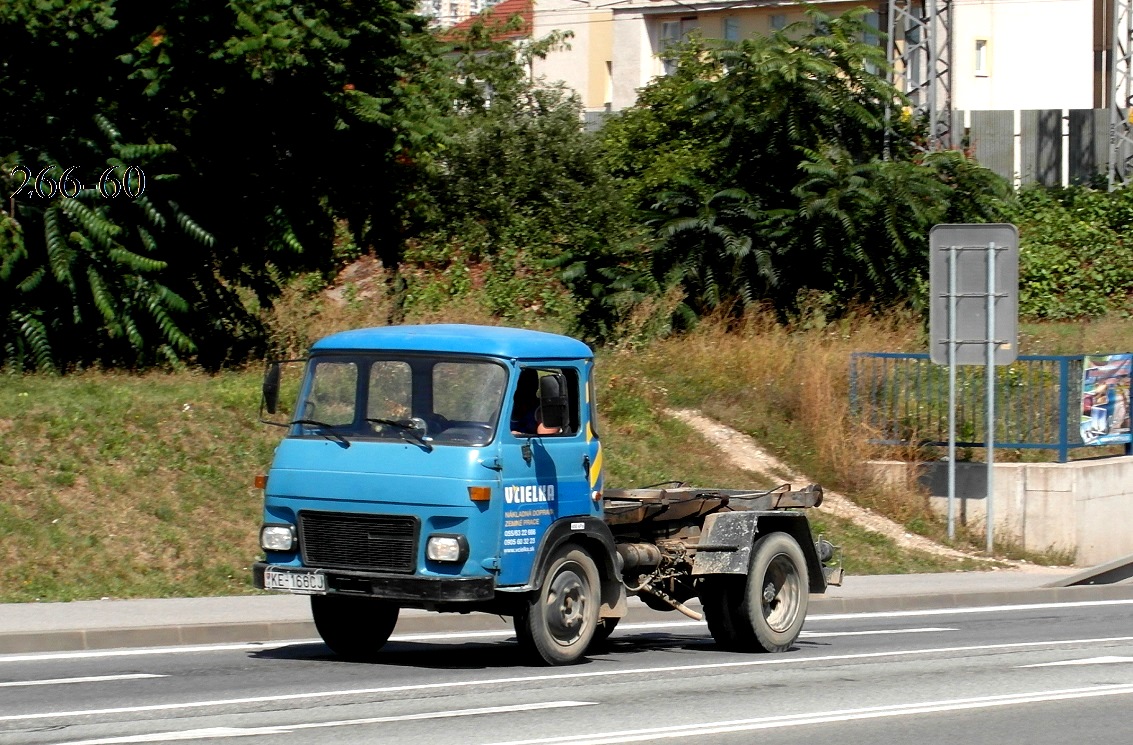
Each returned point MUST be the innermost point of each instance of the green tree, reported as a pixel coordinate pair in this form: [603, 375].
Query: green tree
[258, 123]
[761, 163]
[518, 191]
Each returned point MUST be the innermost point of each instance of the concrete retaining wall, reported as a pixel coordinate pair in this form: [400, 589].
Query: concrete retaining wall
[1084, 507]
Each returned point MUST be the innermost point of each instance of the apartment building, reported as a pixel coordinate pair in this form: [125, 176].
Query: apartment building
[1006, 54]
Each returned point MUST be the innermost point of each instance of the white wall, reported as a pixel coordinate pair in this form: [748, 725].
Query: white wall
[1084, 507]
[1040, 54]
[634, 62]
[569, 66]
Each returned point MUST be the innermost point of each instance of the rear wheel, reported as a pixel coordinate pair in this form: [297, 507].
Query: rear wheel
[766, 610]
[777, 592]
[560, 620]
[722, 598]
[355, 628]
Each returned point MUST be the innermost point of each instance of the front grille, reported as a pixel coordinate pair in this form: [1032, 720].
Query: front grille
[380, 543]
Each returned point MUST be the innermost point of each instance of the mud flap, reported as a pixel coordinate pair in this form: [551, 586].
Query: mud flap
[725, 543]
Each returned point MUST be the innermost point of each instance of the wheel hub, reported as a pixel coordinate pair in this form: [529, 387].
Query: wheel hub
[565, 609]
[781, 594]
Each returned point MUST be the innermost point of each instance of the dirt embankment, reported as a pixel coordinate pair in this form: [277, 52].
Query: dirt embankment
[745, 453]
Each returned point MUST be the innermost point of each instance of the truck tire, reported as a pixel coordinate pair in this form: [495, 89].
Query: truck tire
[354, 628]
[764, 611]
[559, 621]
[722, 598]
[777, 591]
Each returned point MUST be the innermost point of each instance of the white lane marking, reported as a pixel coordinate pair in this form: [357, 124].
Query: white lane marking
[148, 651]
[876, 632]
[1089, 661]
[843, 715]
[264, 646]
[521, 679]
[212, 733]
[87, 679]
[974, 609]
[503, 634]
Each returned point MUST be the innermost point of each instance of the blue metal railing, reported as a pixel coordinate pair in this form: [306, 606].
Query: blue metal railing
[903, 399]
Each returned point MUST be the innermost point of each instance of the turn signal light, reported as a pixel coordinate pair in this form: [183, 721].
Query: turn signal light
[480, 493]
[261, 481]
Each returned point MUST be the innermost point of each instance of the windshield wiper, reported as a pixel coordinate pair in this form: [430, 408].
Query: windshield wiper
[413, 428]
[329, 432]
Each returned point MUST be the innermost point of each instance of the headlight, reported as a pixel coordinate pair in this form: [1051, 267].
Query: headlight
[447, 548]
[277, 537]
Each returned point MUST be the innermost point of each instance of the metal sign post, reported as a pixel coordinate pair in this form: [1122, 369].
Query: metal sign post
[952, 344]
[989, 440]
[979, 304]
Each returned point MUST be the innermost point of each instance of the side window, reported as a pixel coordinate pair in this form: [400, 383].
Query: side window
[592, 402]
[526, 414]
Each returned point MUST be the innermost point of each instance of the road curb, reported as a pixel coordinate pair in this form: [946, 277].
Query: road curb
[168, 635]
[154, 636]
[938, 601]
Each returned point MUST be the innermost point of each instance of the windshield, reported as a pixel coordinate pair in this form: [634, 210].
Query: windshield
[429, 400]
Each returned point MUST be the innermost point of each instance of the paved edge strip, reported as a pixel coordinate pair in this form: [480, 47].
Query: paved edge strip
[261, 631]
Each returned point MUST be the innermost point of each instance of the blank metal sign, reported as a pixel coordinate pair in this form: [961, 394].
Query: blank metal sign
[970, 244]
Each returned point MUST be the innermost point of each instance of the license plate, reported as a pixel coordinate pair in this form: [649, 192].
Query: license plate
[304, 583]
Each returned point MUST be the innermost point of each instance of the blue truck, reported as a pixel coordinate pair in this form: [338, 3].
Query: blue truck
[458, 468]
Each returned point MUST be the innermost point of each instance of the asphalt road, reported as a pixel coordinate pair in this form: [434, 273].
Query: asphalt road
[1034, 674]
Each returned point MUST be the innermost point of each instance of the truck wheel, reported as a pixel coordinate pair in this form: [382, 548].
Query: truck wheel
[764, 611]
[559, 621]
[722, 597]
[354, 628]
[777, 591]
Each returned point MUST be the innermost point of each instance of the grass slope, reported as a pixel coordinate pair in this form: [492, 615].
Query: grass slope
[129, 486]
[141, 486]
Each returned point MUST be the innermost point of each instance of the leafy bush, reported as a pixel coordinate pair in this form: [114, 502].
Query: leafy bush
[1076, 257]
[760, 164]
[518, 208]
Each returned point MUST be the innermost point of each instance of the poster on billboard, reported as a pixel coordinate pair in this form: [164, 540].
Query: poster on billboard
[1105, 399]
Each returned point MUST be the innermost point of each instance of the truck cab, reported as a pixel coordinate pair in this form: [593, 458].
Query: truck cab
[421, 469]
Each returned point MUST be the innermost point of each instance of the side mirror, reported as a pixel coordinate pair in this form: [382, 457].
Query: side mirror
[271, 387]
[553, 400]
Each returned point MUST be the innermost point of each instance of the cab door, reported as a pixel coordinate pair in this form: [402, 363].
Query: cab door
[546, 476]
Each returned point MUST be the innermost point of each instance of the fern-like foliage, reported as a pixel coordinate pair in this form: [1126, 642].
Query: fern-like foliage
[86, 278]
[711, 244]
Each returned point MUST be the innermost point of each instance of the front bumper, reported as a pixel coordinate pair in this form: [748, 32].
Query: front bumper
[398, 587]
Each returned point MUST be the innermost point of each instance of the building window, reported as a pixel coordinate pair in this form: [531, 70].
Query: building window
[731, 29]
[981, 58]
[778, 21]
[672, 33]
[872, 36]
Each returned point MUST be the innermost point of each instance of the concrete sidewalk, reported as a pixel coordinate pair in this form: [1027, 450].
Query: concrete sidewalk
[104, 624]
